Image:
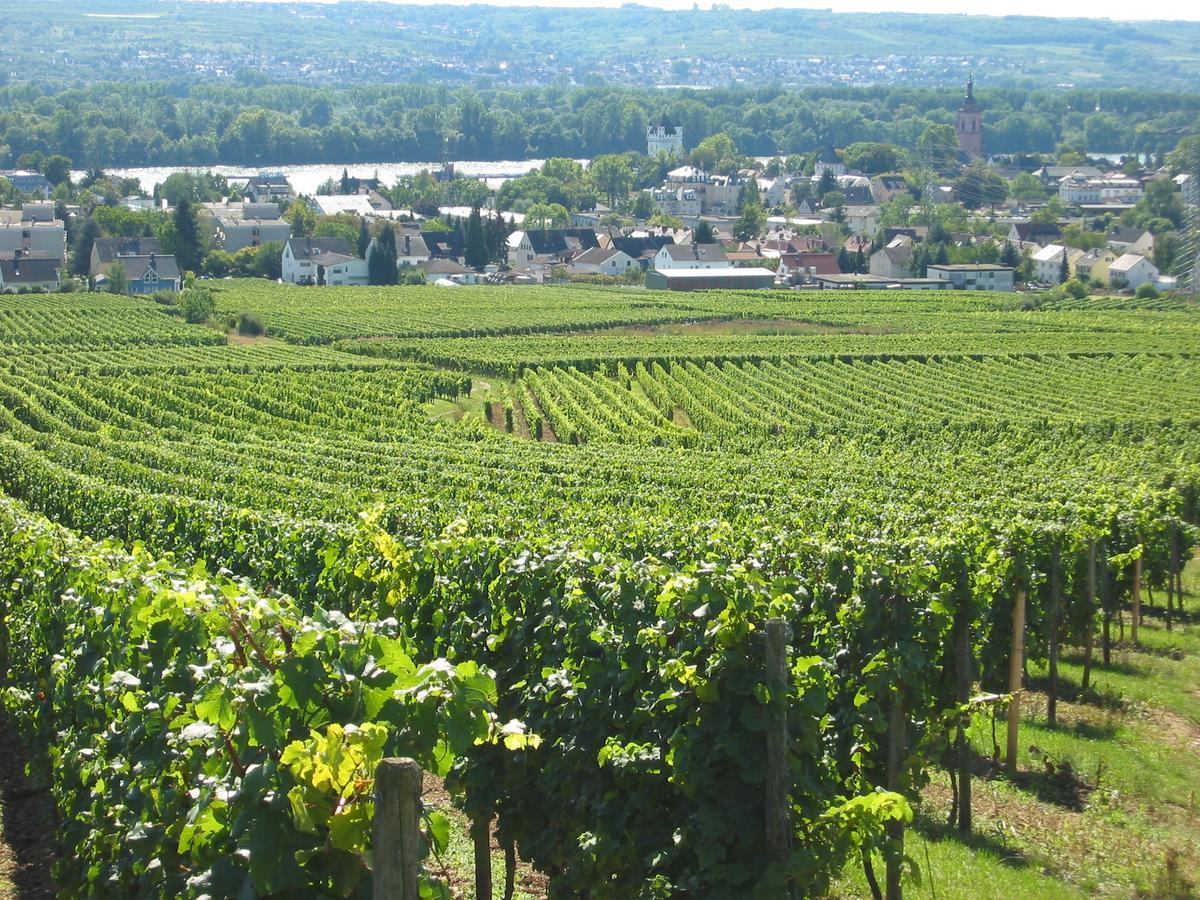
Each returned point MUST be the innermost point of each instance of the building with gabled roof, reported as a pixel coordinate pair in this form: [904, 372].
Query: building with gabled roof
[23, 273]
[691, 256]
[322, 261]
[664, 136]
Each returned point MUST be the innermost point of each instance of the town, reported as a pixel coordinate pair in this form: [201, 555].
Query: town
[941, 215]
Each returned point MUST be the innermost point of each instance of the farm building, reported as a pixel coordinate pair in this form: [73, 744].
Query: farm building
[709, 279]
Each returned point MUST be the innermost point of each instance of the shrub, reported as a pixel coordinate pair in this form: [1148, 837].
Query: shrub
[250, 324]
[197, 304]
[1146, 291]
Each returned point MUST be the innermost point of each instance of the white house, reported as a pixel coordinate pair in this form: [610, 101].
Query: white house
[691, 256]
[862, 219]
[1123, 239]
[1047, 263]
[974, 276]
[664, 136]
[322, 261]
[605, 261]
[1130, 272]
[676, 201]
[894, 260]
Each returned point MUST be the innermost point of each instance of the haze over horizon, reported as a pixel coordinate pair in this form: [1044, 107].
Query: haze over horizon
[1167, 10]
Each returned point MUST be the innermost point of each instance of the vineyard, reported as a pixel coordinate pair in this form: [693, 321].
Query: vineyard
[243, 571]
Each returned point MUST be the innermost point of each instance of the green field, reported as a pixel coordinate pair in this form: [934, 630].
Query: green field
[574, 509]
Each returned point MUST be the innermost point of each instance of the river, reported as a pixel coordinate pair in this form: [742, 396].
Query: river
[306, 179]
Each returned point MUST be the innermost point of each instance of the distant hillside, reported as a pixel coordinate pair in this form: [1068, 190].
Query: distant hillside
[62, 42]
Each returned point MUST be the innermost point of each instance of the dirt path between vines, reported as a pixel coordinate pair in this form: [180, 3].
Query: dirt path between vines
[27, 849]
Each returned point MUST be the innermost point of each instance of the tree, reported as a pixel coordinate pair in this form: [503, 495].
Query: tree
[118, 279]
[714, 149]
[81, 254]
[383, 257]
[57, 169]
[186, 242]
[1026, 188]
[1064, 268]
[612, 176]
[872, 158]
[750, 223]
[363, 243]
[643, 205]
[301, 217]
[827, 182]
[703, 233]
[938, 147]
[547, 215]
[980, 186]
[197, 304]
[475, 253]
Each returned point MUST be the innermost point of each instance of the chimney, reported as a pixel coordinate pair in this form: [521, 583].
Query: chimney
[408, 245]
[152, 262]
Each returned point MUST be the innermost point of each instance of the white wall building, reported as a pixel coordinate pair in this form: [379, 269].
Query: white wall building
[44, 239]
[1130, 272]
[974, 276]
[664, 136]
[322, 261]
[691, 256]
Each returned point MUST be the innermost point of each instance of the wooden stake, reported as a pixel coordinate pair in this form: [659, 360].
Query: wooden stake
[1055, 616]
[963, 681]
[777, 782]
[897, 740]
[1015, 667]
[481, 836]
[1137, 601]
[397, 832]
[1090, 634]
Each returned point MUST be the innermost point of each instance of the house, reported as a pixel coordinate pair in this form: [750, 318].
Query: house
[269, 188]
[1123, 239]
[856, 281]
[1040, 233]
[974, 276]
[856, 189]
[641, 249]
[720, 277]
[691, 256]
[25, 274]
[797, 267]
[894, 260]
[608, 261]
[30, 184]
[322, 261]
[108, 251]
[1076, 189]
[1131, 271]
[687, 175]
[888, 187]
[862, 219]
[335, 204]
[1048, 262]
[549, 246]
[1093, 265]
[1052, 175]
[444, 244]
[40, 239]
[150, 274]
[234, 233]
[410, 248]
[829, 161]
[448, 269]
[664, 136]
[34, 211]
[683, 202]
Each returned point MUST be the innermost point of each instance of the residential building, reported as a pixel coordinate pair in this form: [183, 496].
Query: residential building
[641, 248]
[550, 246]
[894, 260]
[322, 261]
[887, 187]
[1130, 271]
[862, 220]
[974, 276]
[604, 261]
[715, 278]
[151, 274]
[1048, 262]
[30, 184]
[106, 252]
[1123, 239]
[1093, 265]
[1076, 189]
[444, 244]
[268, 187]
[448, 270]
[664, 136]
[691, 256]
[852, 281]
[797, 267]
[969, 124]
[683, 202]
[26, 274]
[829, 160]
[38, 239]
[250, 226]
[1040, 233]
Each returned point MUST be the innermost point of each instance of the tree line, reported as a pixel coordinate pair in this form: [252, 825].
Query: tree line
[180, 123]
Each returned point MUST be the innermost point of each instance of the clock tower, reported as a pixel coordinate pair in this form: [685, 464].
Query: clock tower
[970, 124]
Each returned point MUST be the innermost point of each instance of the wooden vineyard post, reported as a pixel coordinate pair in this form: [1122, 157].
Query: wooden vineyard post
[962, 689]
[897, 740]
[1137, 600]
[396, 830]
[1015, 667]
[1090, 633]
[1055, 615]
[778, 780]
[481, 837]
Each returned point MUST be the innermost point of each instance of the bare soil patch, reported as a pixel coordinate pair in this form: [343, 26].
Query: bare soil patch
[27, 846]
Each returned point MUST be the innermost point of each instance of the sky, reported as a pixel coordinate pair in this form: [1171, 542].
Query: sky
[1091, 9]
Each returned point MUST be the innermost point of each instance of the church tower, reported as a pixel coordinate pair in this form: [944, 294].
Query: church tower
[664, 137]
[970, 124]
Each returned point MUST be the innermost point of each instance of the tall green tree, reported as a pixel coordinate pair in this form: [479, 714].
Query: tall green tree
[750, 223]
[382, 258]
[81, 252]
[363, 244]
[475, 252]
[188, 246]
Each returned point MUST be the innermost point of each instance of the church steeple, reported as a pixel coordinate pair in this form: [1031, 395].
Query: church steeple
[971, 87]
[970, 123]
